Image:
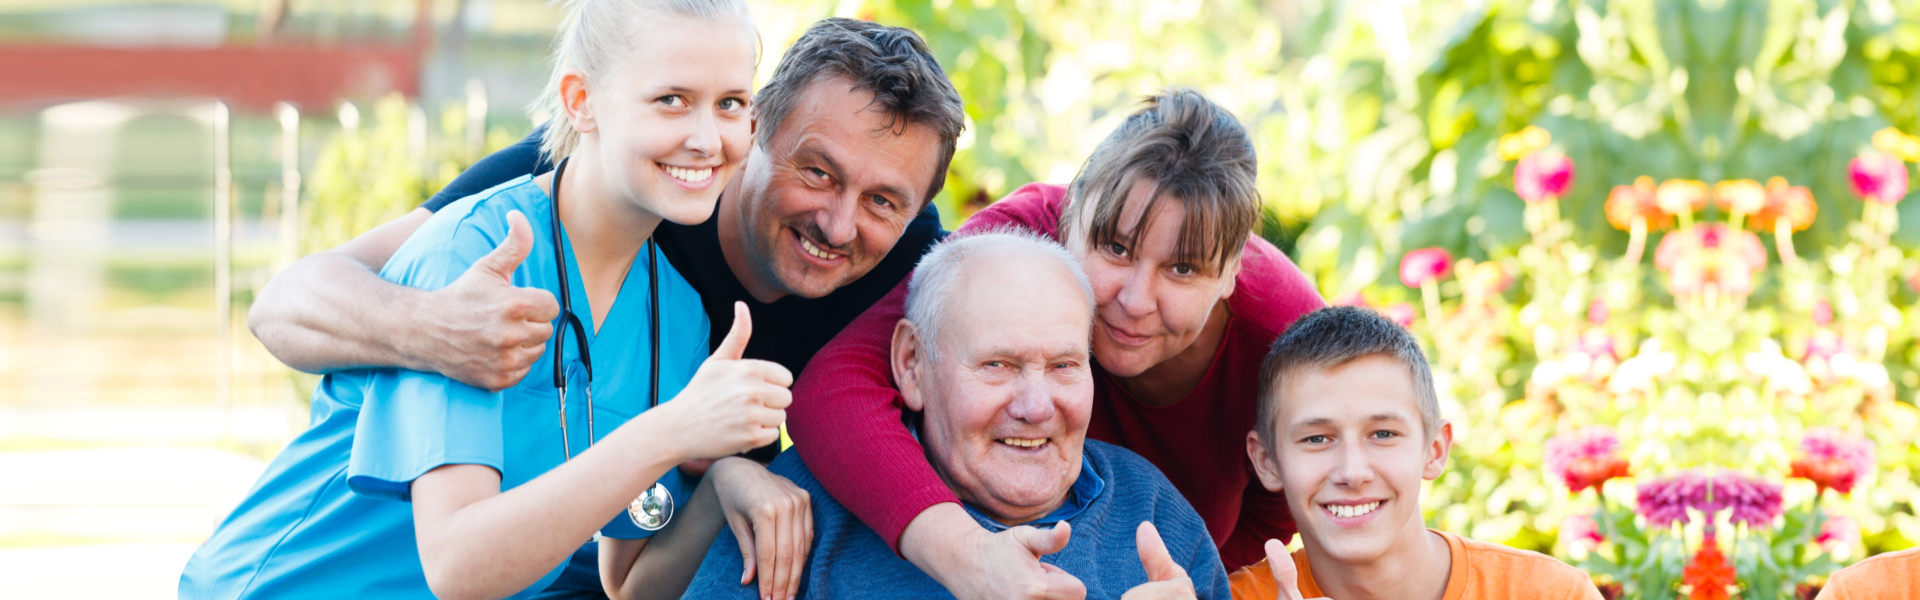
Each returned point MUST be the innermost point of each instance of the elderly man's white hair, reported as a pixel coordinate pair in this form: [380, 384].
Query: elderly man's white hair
[938, 274]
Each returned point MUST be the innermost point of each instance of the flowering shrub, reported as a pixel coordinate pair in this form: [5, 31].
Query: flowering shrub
[1722, 420]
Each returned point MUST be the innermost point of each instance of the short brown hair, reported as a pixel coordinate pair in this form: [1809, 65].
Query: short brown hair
[1334, 336]
[1193, 151]
[892, 63]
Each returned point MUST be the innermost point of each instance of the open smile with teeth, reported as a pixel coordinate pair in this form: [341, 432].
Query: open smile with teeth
[1024, 443]
[1348, 511]
[815, 250]
[689, 175]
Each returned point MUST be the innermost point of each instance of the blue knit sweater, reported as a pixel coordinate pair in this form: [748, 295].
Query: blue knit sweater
[849, 560]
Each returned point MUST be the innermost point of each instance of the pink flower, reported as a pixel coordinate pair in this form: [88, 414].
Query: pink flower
[1581, 529]
[1822, 313]
[1754, 502]
[1400, 312]
[1597, 312]
[1539, 177]
[1710, 255]
[1586, 458]
[1879, 178]
[1832, 460]
[1838, 530]
[1424, 266]
[1665, 501]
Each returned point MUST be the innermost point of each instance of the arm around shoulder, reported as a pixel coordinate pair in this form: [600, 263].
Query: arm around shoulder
[332, 311]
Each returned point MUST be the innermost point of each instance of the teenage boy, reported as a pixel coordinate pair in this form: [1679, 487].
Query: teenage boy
[1884, 577]
[1349, 427]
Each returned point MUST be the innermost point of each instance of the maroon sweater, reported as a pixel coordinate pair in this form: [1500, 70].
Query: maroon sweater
[846, 415]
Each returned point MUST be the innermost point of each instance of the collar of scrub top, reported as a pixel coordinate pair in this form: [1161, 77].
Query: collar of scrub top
[570, 320]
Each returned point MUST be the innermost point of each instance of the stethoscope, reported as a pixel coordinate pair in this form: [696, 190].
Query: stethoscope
[654, 508]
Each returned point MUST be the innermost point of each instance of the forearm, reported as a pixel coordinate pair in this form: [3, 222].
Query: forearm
[846, 424]
[328, 312]
[664, 565]
[332, 311]
[932, 541]
[480, 544]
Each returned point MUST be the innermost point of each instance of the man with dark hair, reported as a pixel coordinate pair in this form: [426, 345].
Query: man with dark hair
[839, 175]
[831, 211]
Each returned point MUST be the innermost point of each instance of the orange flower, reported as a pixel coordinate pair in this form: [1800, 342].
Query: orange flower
[1682, 196]
[1709, 576]
[1628, 202]
[1740, 196]
[1793, 203]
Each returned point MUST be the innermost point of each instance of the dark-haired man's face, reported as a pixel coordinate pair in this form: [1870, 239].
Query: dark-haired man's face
[825, 198]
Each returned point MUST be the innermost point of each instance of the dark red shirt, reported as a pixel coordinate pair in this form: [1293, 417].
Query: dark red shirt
[846, 417]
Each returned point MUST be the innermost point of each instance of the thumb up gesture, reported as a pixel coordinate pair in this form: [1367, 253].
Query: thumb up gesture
[733, 404]
[1165, 579]
[1284, 572]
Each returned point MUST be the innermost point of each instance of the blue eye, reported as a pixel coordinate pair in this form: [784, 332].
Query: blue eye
[1316, 439]
[1384, 435]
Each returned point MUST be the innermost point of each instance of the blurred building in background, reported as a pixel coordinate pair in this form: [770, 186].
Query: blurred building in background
[152, 158]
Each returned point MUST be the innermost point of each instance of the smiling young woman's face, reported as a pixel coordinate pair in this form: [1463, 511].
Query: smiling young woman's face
[672, 120]
[1350, 452]
[1152, 304]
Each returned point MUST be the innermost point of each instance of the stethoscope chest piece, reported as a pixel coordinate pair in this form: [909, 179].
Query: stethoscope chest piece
[653, 509]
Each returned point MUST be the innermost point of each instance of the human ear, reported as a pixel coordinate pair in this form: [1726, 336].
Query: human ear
[1230, 276]
[905, 361]
[1438, 449]
[573, 101]
[1263, 464]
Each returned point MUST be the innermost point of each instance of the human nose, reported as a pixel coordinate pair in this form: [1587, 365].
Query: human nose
[704, 139]
[837, 221]
[1355, 468]
[1032, 401]
[1136, 292]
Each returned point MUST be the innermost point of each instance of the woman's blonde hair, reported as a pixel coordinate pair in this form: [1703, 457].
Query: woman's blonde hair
[593, 34]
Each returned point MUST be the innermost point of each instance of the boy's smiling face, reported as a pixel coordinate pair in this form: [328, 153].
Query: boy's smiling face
[1349, 448]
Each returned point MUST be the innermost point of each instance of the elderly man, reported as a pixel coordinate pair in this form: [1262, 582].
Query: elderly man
[993, 358]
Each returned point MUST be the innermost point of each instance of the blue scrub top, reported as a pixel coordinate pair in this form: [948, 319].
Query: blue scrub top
[330, 518]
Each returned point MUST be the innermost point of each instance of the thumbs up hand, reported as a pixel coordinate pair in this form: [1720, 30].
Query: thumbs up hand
[483, 331]
[733, 404]
[1165, 579]
[1284, 572]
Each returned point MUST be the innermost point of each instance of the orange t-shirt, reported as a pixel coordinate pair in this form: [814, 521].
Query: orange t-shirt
[1481, 571]
[1889, 576]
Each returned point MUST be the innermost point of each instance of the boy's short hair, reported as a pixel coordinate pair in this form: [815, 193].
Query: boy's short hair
[1334, 336]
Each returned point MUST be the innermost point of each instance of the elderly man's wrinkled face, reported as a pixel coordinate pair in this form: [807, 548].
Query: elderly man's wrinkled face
[1008, 393]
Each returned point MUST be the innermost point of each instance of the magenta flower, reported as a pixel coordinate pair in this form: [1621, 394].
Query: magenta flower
[1832, 460]
[1586, 458]
[1879, 178]
[1665, 501]
[1424, 266]
[1839, 529]
[1582, 530]
[1400, 312]
[1754, 502]
[1540, 178]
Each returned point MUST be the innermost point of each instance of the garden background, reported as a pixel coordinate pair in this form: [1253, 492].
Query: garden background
[1654, 248]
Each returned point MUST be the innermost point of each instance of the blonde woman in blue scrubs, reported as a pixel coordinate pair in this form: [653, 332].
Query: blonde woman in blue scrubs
[411, 484]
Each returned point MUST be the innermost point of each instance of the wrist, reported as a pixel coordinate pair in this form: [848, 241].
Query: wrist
[941, 541]
[409, 337]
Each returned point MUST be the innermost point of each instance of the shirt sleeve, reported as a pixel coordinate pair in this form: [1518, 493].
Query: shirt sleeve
[846, 423]
[521, 158]
[412, 422]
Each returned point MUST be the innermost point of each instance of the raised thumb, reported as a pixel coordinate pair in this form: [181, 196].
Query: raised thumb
[735, 344]
[1043, 542]
[1284, 573]
[1153, 554]
[506, 257]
